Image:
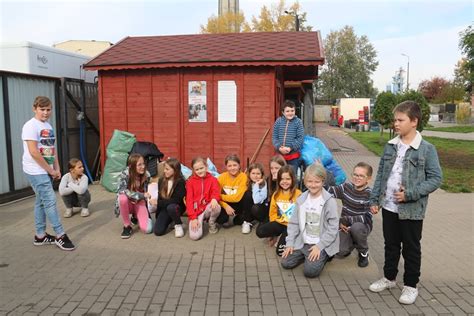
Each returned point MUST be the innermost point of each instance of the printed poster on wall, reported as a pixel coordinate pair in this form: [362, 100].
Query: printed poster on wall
[197, 101]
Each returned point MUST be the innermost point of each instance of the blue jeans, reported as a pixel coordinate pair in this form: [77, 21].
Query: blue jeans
[45, 204]
[295, 163]
[311, 269]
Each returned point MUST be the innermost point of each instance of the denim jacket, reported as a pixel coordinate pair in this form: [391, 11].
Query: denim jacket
[421, 175]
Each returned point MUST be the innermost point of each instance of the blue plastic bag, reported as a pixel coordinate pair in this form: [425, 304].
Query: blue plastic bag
[339, 174]
[314, 150]
[186, 171]
[211, 167]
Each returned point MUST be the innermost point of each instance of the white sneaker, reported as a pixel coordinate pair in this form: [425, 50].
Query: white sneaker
[381, 285]
[178, 231]
[68, 212]
[246, 227]
[213, 227]
[85, 212]
[409, 295]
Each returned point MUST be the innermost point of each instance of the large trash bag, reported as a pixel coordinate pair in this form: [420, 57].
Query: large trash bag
[117, 155]
[314, 150]
[339, 174]
[211, 167]
[121, 141]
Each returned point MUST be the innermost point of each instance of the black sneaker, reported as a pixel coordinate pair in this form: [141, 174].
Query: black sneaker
[134, 221]
[46, 240]
[363, 259]
[64, 243]
[126, 233]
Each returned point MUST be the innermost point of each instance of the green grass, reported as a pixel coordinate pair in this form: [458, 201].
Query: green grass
[456, 158]
[453, 129]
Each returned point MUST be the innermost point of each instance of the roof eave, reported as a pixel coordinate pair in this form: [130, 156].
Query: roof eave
[315, 62]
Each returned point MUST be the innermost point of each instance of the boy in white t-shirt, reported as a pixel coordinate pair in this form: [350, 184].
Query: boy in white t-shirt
[313, 229]
[40, 165]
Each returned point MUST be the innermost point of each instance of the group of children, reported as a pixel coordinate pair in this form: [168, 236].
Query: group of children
[304, 227]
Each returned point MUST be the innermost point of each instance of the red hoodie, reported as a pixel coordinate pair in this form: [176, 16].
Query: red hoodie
[199, 193]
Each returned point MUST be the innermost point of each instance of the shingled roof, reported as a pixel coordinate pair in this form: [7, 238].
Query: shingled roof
[234, 49]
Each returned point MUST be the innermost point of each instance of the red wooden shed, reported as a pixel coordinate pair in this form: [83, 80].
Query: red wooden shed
[207, 94]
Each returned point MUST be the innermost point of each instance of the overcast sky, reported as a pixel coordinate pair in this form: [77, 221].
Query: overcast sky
[427, 31]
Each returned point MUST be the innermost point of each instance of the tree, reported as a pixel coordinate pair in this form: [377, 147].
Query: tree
[350, 60]
[418, 97]
[466, 44]
[452, 92]
[226, 23]
[273, 19]
[431, 89]
[383, 111]
[276, 20]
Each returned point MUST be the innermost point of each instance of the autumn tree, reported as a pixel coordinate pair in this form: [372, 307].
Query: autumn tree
[226, 23]
[350, 60]
[431, 89]
[466, 44]
[275, 18]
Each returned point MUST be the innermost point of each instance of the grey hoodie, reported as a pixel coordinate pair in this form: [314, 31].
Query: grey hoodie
[329, 238]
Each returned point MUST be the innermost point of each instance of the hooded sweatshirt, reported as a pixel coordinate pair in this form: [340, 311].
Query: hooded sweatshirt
[199, 193]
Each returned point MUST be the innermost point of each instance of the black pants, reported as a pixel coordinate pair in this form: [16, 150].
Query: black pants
[77, 200]
[273, 229]
[164, 216]
[260, 212]
[242, 210]
[404, 236]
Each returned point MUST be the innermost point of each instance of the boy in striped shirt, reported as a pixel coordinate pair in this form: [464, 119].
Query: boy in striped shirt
[356, 219]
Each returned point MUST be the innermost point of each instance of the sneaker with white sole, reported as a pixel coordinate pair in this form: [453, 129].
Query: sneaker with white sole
[382, 284]
[126, 232]
[213, 227]
[178, 231]
[85, 212]
[64, 243]
[409, 295]
[46, 240]
[246, 227]
[68, 212]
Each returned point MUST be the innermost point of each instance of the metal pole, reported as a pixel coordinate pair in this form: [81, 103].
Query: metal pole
[408, 74]
[408, 70]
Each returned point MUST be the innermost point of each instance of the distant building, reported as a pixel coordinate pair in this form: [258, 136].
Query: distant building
[397, 84]
[88, 48]
[226, 6]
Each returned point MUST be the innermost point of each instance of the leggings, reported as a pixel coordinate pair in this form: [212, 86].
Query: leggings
[209, 213]
[166, 215]
[138, 209]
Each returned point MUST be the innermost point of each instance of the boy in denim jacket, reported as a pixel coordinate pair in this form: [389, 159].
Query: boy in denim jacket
[408, 172]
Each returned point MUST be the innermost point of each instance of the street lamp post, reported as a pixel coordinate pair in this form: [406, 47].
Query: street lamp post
[408, 70]
[297, 19]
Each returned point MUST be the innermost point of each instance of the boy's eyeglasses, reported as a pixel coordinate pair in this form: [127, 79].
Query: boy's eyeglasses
[359, 176]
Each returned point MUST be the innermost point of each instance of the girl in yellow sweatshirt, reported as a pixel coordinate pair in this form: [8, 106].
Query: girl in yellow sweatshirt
[282, 206]
[235, 199]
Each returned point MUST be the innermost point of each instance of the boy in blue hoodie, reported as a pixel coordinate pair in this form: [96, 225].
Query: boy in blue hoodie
[288, 135]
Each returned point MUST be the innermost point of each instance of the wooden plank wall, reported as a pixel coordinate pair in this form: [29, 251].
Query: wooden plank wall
[153, 105]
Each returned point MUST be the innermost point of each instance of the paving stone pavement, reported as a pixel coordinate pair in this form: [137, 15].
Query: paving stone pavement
[227, 273]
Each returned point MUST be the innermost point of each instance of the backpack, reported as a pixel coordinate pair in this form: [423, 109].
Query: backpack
[150, 153]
